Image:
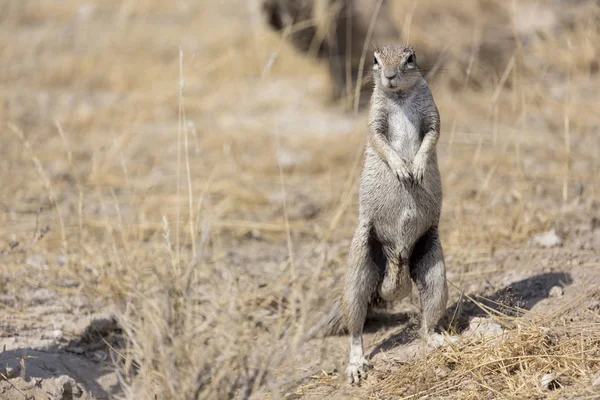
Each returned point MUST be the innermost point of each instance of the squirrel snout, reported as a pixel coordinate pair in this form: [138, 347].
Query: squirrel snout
[389, 73]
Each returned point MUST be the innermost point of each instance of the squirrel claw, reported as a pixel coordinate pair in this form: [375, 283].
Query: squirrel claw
[403, 173]
[418, 172]
[357, 370]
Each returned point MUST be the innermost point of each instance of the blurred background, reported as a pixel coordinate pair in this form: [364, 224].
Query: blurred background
[180, 186]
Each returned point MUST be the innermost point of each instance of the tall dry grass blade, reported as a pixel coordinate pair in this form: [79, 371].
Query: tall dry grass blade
[188, 170]
[46, 181]
[363, 56]
[502, 81]
[406, 28]
[348, 58]
[178, 168]
[567, 135]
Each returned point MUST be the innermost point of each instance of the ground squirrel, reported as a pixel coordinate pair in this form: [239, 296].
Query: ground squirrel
[400, 202]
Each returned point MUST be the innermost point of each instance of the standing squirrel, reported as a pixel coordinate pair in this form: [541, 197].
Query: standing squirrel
[397, 239]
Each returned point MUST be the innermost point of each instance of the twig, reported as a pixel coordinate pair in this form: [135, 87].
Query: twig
[13, 385]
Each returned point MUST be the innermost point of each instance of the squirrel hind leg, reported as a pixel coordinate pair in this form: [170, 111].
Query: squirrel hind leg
[428, 270]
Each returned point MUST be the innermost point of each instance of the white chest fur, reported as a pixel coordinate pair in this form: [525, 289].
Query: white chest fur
[404, 125]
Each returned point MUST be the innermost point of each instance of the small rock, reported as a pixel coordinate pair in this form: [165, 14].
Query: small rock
[254, 234]
[7, 300]
[99, 356]
[76, 350]
[484, 327]
[42, 295]
[548, 240]
[11, 369]
[64, 387]
[56, 334]
[437, 340]
[556, 291]
[549, 381]
[12, 372]
[36, 261]
[34, 382]
[61, 260]
[291, 159]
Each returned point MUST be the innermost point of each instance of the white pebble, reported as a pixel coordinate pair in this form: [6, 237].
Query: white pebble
[548, 240]
[484, 327]
[12, 372]
[549, 381]
[556, 291]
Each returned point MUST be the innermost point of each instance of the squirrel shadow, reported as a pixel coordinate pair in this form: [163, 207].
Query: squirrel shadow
[379, 319]
[512, 300]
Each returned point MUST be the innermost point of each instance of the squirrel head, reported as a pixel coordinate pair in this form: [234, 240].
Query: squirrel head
[395, 68]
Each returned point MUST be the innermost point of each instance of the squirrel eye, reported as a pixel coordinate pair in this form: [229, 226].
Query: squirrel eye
[375, 61]
[410, 61]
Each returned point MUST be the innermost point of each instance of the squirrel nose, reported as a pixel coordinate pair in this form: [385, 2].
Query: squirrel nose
[389, 73]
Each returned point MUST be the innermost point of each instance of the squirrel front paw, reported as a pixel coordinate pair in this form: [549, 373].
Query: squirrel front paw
[419, 166]
[403, 172]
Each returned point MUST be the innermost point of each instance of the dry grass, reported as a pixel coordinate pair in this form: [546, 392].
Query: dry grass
[509, 365]
[166, 180]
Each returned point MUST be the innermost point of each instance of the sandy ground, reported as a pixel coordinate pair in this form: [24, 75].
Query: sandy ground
[89, 104]
[65, 347]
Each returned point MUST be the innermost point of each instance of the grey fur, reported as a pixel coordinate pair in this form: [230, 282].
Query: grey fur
[397, 239]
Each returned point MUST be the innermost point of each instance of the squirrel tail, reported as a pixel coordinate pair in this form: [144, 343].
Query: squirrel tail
[331, 323]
